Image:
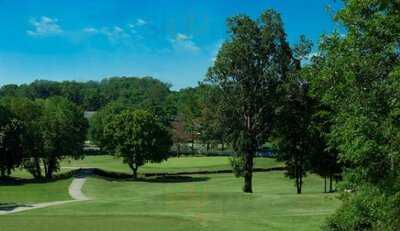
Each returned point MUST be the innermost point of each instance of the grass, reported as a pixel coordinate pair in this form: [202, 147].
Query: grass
[192, 202]
[172, 165]
[35, 192]
[197, 202]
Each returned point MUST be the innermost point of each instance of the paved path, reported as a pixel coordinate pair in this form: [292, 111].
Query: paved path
[75, 191]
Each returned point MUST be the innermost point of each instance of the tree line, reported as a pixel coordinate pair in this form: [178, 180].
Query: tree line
[93, 95]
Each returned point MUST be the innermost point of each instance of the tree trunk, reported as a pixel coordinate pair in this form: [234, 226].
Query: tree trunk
[208, 146]
[51, 164]
[135, 173]
[248, 172]
[298, 171]
[45, 167]
[134, 168]
[330, 184]
[178, 149]
[192, 145]
[336, 182]
[324, 184]
[299, 182]
[37, 170]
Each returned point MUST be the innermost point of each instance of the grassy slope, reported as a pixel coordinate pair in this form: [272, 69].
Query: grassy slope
[212, 202]
[35, 192]
[192, 164]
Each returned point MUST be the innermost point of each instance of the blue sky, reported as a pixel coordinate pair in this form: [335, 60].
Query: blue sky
[174, 41]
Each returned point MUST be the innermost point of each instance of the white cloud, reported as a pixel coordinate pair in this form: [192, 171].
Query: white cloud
[184, 42]
[90, 30]
[113, 34]
[140, 22]
[182, 37]
[45, 26]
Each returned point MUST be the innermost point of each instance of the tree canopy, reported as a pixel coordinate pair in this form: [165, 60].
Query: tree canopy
[138, 137]
[357, 75]
[249, 68]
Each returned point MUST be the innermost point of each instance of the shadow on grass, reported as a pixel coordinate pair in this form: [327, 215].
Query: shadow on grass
[179, 177]
[118, 176]
[173, 179]
[14, 181]
[11, 206]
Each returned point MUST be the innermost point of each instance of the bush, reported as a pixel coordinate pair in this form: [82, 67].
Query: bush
[237, 164]
[367, 209]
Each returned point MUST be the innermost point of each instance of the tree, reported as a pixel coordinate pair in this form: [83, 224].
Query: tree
[210, 127]
[293, 130]
[139, 138]
[99, 121]
[248, 69]
[28, 113]
[324, 158]
[357, 74]
[11, 150]
[10, 142]
[189, 111]
[63, 128]
[179, 134]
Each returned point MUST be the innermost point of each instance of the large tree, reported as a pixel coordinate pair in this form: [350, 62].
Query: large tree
[138, 137]
[28, 112]
[99, 121]
[249, 68]
[63, 129]
[293, 131]
[11, 138]
[357, 75]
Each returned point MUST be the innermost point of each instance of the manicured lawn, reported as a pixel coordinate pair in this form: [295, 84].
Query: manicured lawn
[187, 164]
[197, 202]
[35, 192]
[172, 165]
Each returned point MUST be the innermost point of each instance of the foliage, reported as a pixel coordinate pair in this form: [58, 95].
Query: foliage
[63, 129]
[139, 137]
[249, 68]
[99, 121]
[28, 112]
[357, 76]
[293, 131]
[91, 95]
[11, 150]
[237, 164]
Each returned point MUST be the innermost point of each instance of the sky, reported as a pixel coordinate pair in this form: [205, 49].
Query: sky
[171, 40]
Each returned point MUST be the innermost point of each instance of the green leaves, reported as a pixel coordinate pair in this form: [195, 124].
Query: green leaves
[11, 140]
[355, 74]
[138, 137]
[249, 70]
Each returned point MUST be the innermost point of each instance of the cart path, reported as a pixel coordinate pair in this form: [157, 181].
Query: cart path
[74, 190]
